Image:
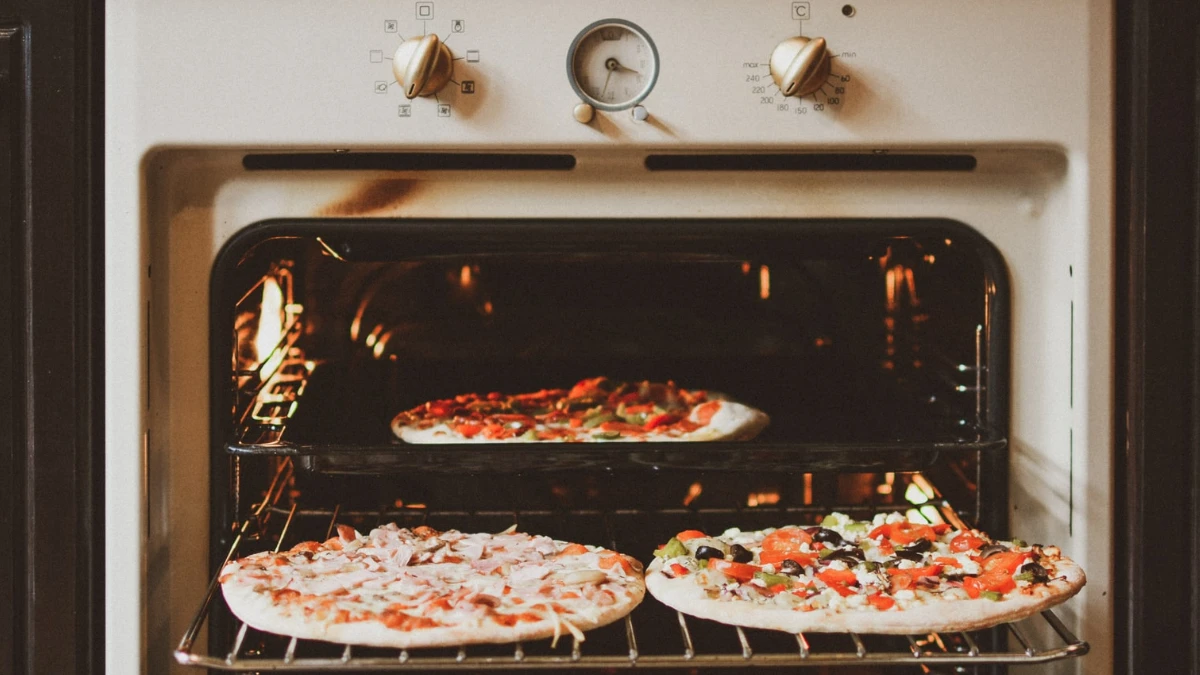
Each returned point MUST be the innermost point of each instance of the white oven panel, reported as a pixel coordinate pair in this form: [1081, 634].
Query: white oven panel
[901, 73]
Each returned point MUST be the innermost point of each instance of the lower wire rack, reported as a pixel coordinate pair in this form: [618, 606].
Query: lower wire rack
[653, 636]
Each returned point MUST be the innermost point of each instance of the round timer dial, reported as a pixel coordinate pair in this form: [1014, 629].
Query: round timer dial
[612, 64]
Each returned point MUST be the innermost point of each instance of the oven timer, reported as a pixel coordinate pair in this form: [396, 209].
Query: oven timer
[799, 68]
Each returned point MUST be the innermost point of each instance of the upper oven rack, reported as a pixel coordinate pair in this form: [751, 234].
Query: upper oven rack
[677, 641]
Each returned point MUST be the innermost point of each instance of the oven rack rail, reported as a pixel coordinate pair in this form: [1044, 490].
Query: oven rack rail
[625, 646]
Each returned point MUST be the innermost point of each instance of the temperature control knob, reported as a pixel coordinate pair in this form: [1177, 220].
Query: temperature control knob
[422, 65]
[800, 65]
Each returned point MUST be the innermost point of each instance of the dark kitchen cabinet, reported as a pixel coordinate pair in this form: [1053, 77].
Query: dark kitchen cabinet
[51, 366]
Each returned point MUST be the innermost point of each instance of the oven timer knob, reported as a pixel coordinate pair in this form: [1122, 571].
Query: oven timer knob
[800, 65]
[422, 66]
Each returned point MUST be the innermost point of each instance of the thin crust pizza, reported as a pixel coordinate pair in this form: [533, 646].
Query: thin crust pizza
[596, 409]
[887, 575]
[422, 588]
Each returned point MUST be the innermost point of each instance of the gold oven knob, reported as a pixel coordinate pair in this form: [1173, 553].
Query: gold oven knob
[422, 66]
[800, 65]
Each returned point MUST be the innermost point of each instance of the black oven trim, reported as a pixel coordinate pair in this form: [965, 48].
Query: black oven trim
[434, 236]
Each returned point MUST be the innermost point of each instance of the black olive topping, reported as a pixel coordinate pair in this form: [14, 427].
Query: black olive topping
[828, 536]
[1040, 575]
[919, 546]
[850, 555]
[789, 566]
[739, 554]
[992, 549]
[910, 555]
[708, 552]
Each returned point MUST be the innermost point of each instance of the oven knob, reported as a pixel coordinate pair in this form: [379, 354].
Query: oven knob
[422, 66]
[800, 65]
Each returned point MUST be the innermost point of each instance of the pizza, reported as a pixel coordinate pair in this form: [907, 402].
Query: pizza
[403, 588]
[596, 409]
[886, 575]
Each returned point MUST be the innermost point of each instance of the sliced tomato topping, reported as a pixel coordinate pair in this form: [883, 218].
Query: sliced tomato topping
[972, 586]
[941, 528]
[997, 580]
[665, 419]
[690, 534]
[965, 542]
[947, 560]
[678, 569]
[623, 427]
[786, 539]
[900, 581]
[904, 532]
[1008, 561]
[468, 430]
[638, 409]
[837, 576]
[615, 560]
[917, 572]
[881, 601]
[738, 571]
[704, 413]
[776, 557]
[573, 549]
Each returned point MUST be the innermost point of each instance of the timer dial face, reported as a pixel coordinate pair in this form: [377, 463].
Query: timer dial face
[612, 64]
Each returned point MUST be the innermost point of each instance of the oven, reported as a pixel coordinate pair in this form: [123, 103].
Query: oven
[907, 266]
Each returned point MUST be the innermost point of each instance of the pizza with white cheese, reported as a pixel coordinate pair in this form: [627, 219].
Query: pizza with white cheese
[887, 575]
[423, 588]
[596, 409]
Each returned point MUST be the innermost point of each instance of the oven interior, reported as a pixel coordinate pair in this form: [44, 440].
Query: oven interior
[878, 348]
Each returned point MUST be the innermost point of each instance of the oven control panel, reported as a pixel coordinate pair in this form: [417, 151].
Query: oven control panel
[544, 73]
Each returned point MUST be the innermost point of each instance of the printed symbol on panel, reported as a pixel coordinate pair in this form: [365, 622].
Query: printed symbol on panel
[424, 11]
[472, 56]
[800, 10]
[468, 86]
[391, 26]
[376, 56]
[405, 110]
[381, 86]
[443, 110]
[458, 26]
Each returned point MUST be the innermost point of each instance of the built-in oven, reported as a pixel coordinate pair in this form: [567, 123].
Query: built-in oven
[864, 234]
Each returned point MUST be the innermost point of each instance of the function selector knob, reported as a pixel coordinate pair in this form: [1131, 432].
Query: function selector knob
[800, 65]
[422, 65]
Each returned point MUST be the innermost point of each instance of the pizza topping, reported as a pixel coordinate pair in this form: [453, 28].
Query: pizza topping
[889, 564]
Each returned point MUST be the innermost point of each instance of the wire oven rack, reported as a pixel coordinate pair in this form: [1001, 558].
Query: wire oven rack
[653, 636]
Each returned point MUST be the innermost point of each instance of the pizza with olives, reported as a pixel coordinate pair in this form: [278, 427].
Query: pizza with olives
[395, 587]
[886, 575]
[596, 409]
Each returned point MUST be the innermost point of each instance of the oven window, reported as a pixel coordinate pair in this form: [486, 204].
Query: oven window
[847, 333]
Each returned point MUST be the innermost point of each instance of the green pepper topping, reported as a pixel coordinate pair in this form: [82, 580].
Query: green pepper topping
[858, 528]
[992, 595]
[673, 549]
[607, 435]
[824, 553]
[1024, 576]
[530, 435]
[870, 566]
[639, 419]
[830, 521]
[1019, 543]
[773, 579]
[596, 420]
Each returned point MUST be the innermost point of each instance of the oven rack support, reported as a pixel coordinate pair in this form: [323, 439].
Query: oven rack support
[627, 651]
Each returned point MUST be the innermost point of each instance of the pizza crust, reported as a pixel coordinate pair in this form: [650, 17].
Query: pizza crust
[685, 595]
[733, 421]
[260, 612]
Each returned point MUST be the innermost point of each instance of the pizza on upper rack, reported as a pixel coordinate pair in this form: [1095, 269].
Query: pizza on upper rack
[596, 409]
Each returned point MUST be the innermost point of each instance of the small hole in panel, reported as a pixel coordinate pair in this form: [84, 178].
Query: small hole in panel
[847, 10]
